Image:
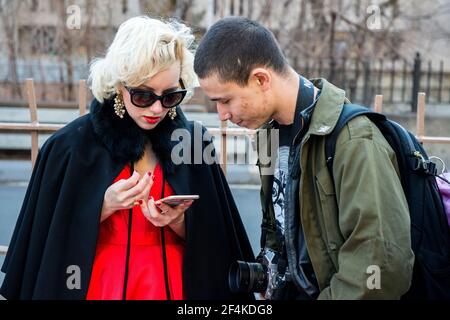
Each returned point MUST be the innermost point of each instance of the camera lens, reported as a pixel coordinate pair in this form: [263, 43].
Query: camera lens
[247, 277]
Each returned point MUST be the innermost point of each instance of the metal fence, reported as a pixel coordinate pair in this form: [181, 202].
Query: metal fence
[398, 80]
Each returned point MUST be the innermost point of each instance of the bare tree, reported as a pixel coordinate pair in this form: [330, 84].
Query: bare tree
[88, 34]
[72, 44]
[8, 15]
[181, 8]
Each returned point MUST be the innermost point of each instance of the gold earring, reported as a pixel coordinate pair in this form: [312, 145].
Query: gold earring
[119, 106]
[172, 113]
[259, 81]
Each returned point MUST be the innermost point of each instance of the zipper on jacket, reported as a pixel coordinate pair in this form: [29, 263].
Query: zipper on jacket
[127, 259]
[163, 248]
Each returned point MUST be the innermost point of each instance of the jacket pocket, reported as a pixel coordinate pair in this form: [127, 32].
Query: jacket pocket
[329, 212]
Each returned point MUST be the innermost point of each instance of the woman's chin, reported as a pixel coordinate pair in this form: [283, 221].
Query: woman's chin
[147, 126]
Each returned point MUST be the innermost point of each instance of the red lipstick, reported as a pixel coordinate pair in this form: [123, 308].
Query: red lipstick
[152, 120]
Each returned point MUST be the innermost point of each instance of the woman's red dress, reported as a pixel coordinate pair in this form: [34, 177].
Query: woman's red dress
[145, 277]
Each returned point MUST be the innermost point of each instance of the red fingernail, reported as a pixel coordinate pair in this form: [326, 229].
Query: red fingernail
[149, 173]
[140, 201]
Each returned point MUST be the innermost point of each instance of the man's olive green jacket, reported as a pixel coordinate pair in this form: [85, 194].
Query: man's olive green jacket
[357, 229]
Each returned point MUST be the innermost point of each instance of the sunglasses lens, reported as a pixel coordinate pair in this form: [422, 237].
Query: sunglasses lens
[143, 99]
[172, 99]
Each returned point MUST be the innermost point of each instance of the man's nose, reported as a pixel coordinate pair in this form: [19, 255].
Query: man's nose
[223, 114]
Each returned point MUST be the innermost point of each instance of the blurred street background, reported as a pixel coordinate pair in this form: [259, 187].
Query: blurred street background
[394, 48]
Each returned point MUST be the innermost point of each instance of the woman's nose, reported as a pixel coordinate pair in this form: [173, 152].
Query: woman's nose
[157, 107]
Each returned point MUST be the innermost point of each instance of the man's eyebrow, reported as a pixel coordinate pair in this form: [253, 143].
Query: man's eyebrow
[217, 99]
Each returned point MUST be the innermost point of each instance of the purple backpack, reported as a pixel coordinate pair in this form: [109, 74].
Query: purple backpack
[443, 182]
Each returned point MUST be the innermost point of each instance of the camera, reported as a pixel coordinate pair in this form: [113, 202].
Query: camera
[268, 275]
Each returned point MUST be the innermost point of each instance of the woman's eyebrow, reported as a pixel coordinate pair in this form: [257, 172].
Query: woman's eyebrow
[170, 89]
[143, 86]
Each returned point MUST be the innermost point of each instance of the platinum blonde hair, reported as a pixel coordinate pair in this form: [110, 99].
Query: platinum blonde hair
[141, 48]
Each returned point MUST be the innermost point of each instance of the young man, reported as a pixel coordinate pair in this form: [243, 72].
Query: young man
[341, 237]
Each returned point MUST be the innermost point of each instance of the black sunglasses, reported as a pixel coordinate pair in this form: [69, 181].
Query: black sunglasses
[144, 98]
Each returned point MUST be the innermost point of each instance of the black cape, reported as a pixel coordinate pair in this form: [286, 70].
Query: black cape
[59, 220]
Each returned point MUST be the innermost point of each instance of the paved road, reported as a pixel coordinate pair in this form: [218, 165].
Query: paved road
[13, 183]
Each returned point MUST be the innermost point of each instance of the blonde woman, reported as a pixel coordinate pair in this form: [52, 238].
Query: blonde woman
[91, 225]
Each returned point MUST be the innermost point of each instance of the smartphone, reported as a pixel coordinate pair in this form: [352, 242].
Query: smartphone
[174, 201]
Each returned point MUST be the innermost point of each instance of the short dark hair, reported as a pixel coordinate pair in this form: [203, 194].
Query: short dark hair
[234, 46]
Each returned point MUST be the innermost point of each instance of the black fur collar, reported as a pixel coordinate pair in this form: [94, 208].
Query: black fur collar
[125, 140]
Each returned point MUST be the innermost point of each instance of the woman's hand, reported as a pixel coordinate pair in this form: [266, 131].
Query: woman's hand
[161, 215]
[126, 193]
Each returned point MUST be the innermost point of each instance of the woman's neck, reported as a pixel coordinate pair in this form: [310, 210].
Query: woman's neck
[147, 162]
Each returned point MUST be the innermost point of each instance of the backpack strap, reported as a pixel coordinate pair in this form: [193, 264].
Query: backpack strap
[349, 112]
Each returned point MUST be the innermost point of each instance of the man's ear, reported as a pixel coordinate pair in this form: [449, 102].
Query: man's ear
[261, 78]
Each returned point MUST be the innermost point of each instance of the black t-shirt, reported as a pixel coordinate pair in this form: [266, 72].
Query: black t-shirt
[280, 175]
[286, 136]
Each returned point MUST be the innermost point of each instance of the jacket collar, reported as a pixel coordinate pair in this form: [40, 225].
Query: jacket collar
[122, 137]
[126, 141]
[328, 108]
